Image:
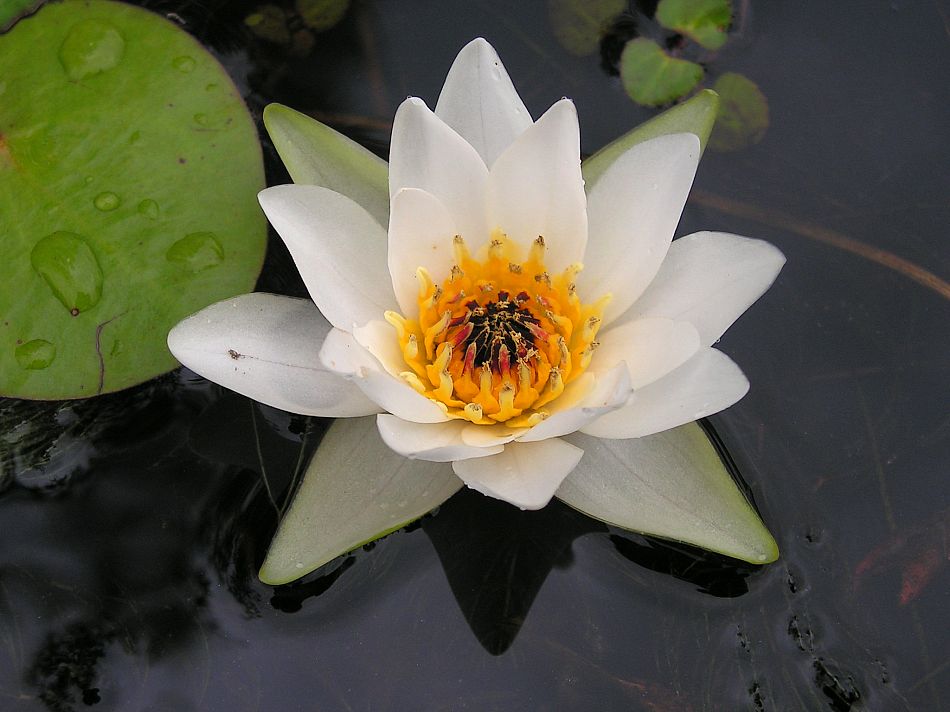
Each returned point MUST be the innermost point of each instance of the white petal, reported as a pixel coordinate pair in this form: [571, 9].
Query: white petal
[707, 383]
[379, 338]
[650, 347]
[420, 235]
[265, 346]
[355, 490]
[672, 485]
[397, 397]
[489, 435]
[602, 394]
[427, 154]
[535, 188]
[479, 101]
[338, 248]
[709, 279]
[525, 474]
[633, 210]
[436, 442]
[343, 353]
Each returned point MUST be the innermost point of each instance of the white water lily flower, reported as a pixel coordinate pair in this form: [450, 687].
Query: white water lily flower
[501, 309]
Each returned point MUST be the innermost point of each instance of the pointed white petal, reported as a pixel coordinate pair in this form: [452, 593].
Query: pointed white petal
[709, 279]
[397, 397]
[633, 210]
[707, 383]
[601, 394]
[338, 248]
[479, 101]
[265, 346]
[315, 154]
[489, 435]
[671, 485]
[436, 442]
[650, 347]
[696, 116]
[535, 188]
[379, 338]
[421, 234]
[344, 354]
[427, 154]
[355, 490]
[525, 474]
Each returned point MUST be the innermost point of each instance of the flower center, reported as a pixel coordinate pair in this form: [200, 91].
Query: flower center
[500, 338]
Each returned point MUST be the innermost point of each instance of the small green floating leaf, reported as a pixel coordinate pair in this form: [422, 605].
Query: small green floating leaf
[744, 118]
[579, 24]
[103, 170]
[269, 22]
[671, 485]
[13, 10]
[704, 21]
[355, 490]
[321, 15]
[651, 77]
[696, 116]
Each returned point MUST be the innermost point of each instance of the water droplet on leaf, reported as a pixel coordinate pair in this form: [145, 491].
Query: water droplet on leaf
[183, 64]
[35, 355]
[91, 47]
[149, 208]
[107, 201]
[196, 251]
[69, 266]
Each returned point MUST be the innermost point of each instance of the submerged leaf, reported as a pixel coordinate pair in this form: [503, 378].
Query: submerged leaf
[315, 154]
[672, 485]
[321, 15]
[355, 490]
[744, 118]
[115, 129]
[704, 21]
[579, 24]
[696, 116]
[651, 77]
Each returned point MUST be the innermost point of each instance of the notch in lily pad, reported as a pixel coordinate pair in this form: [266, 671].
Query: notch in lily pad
[651, 77]
[703, 21]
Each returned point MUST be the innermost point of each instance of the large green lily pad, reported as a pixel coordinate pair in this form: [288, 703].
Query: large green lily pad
[129, 167]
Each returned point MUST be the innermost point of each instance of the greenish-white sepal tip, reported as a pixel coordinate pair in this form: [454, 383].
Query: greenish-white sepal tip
[671, 485]
[355, 490]
[315, 154]
[696, 116]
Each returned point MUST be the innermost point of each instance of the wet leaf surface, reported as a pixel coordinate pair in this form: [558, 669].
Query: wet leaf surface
[128, 172]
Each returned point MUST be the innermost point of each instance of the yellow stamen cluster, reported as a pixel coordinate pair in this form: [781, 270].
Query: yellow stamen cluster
[500, 338]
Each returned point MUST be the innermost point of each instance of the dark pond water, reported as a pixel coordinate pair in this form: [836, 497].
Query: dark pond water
[131, 526]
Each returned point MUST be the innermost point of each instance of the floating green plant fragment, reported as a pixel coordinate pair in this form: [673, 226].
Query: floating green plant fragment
[321, 15]
[13, 10]
[744, 118]
[269, 22]
[121, 212]
[704, 21]
[651, 77]
[579, 24]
